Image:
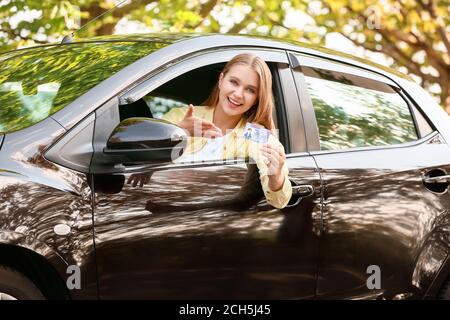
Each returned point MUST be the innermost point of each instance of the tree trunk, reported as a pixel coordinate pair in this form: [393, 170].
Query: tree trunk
[105, 29]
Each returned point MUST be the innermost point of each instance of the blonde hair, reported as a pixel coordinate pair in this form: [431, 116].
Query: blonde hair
[261, 112]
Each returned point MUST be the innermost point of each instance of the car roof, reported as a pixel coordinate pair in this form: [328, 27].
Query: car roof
[165, 39]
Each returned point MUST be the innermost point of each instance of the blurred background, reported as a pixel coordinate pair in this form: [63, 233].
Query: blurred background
[412, 36]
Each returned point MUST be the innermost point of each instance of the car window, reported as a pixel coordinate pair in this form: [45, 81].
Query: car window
[192, 87]
[353, 111]
[37, 82]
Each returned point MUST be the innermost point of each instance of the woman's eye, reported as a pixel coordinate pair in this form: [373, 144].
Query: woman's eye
[233, 82]
[250, 90]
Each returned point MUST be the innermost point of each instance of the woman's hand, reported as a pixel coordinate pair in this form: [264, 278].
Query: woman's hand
[198, 127]
[274, 158]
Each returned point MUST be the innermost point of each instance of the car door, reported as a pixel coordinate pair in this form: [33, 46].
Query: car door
[205, 230]
[385, 191]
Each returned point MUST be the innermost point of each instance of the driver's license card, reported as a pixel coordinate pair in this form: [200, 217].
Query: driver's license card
[255, 133]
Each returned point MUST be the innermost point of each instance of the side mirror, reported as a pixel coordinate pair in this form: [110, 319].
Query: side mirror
[145, 140]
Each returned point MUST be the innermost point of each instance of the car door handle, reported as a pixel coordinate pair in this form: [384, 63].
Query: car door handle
[303, 190]
[299, 191]
[438, 179]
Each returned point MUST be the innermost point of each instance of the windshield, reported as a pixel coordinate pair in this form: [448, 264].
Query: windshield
[37, 82]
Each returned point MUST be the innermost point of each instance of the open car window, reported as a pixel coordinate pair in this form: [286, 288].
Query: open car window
[192, 87]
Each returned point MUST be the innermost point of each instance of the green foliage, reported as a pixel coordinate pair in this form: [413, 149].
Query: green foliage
[414, 33]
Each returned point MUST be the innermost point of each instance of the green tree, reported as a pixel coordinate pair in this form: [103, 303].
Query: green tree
[414, 33]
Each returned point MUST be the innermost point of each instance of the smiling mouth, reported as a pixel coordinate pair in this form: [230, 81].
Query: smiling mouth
[234, 103]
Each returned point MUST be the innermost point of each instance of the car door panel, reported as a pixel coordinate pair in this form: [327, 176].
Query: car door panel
[378, 211]
[205, 230]
[193, 233]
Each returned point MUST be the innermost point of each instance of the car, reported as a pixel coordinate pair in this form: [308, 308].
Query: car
[92, 205]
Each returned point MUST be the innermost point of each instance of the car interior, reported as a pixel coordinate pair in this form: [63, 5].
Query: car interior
[191, 87]
[194, 87]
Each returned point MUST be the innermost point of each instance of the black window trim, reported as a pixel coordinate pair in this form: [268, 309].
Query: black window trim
[308, 114]
[2, 136]
[413, 104]
[419, 133]
[281, 112]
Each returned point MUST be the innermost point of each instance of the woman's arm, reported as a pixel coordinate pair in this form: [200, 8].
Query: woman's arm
[193, 125]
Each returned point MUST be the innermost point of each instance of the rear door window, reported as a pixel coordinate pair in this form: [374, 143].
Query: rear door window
[353, 111]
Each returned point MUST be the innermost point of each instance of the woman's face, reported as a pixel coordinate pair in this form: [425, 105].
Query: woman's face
[238, 90]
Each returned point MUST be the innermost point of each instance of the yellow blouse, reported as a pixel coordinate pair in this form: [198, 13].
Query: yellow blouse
[237, 147]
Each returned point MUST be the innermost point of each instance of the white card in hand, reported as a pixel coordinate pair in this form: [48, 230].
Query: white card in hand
[255, 133]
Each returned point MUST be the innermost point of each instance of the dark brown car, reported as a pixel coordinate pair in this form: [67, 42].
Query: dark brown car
[367, 151]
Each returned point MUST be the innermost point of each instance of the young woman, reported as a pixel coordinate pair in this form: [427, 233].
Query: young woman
[243, 95]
